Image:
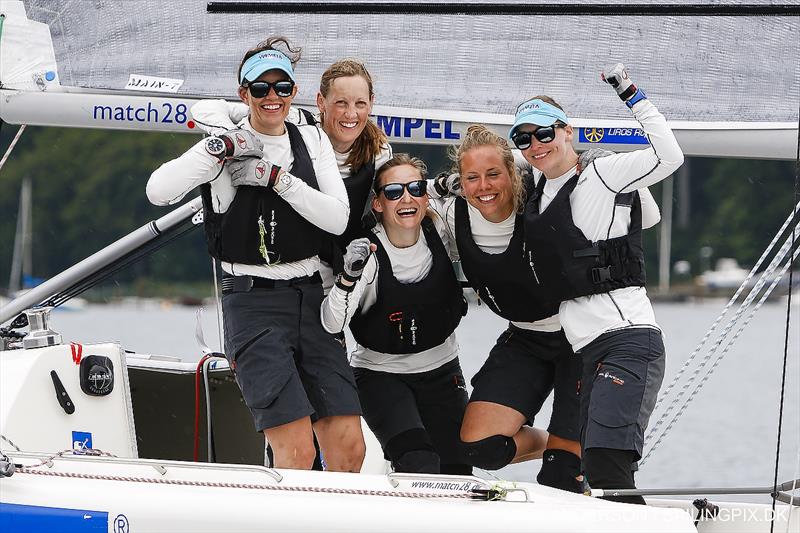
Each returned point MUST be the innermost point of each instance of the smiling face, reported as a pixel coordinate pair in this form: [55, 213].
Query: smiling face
[553, 158]
[405, 213]
[345, 110]
[486, 182]
[267, 114]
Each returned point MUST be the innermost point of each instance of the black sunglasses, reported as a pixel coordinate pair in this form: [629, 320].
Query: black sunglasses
[544, 134]
[394, 191]
[260, 89]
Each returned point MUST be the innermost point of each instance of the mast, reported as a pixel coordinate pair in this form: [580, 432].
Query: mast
[22, 259]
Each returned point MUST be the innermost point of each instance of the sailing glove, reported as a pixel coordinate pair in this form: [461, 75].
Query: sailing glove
[585, 158]
[617, 77]
[355, 258]
[447, 184]
[253, 171]
[241, 143]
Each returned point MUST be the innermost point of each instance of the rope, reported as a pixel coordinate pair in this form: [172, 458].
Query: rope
[788, 315]
[11, 146]
[11, 443]
[663, 396]
[774, 263]
[713, 367]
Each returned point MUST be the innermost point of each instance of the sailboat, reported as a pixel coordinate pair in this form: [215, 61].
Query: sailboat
[85, 429]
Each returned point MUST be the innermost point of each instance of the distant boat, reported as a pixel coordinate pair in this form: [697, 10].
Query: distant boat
[727, 275]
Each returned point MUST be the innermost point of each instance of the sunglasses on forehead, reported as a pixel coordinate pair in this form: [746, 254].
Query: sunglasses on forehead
[544, 134]
[260, 89]
[394, 191]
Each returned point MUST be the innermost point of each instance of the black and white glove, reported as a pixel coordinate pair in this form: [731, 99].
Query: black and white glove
[355, 258]
[235, 144]
[617, 77]
[447, 184]
[253, 171]
[585, 158]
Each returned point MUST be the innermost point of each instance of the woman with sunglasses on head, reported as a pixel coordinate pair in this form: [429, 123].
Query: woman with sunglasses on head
[403, 304]
[344, 100]
[270, 191]
[583, 240]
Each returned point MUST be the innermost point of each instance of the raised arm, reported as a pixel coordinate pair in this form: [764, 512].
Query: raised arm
[640, 168]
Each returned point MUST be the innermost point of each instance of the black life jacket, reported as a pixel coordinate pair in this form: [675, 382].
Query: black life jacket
[412, 317]
[567, 263]
[504, 281]
[260, 227]
[358, 186]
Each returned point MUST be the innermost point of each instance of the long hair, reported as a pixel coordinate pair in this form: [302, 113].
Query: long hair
[479, 135]
[278, 43]
[371, 140]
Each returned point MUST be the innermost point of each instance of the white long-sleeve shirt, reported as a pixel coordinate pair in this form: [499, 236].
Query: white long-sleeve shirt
[218, 116]
[327, 207]
[409, 265]
[594, 212]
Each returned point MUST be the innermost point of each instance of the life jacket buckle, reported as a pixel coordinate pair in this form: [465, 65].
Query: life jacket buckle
[601, 274]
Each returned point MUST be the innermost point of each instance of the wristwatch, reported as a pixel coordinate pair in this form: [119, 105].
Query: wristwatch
[283, 181]
[219, 147]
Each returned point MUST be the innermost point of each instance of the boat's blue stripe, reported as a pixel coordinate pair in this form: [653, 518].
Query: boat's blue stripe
[16, 518]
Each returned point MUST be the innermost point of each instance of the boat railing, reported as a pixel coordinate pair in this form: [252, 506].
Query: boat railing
[158, 465]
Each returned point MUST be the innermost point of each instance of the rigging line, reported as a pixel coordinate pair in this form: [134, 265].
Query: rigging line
[453, 8]
[705, 378]
[788, 322]
[727, 307]
[781, 254]
[11, 146]
[774, 263]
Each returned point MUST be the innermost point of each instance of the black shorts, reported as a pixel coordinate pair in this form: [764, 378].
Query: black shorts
[286, 364]
[622, 372]
[521, 370]
[433, 401]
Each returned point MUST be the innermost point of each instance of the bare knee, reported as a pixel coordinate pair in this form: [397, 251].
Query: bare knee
[295, 455]
[341, 442]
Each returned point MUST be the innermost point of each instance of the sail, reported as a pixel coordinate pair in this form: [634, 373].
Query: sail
[728, 72]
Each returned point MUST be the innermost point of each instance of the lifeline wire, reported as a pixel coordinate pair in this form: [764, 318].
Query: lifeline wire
[788, 315]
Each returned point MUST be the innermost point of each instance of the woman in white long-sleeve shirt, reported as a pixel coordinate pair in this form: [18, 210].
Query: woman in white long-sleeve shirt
[531, 358]
[583, 239]
[271, 190]
[344, 100]
[403, 304]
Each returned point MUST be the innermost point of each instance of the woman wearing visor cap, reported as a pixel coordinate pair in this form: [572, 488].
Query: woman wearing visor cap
[532, 357]
[344, 100]
[403, 304]
[583, 242]
[271, 190]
